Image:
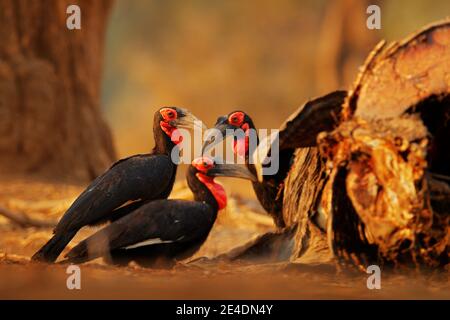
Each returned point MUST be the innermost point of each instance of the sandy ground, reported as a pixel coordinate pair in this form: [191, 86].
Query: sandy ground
[240, 222]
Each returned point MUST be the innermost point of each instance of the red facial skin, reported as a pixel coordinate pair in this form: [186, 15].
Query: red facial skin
[203, 164]
[168, 115]
[236, 118]
[240, 146]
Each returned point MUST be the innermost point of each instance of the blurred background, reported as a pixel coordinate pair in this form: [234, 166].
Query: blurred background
[262, 56]
[74, 101]
[265, 57]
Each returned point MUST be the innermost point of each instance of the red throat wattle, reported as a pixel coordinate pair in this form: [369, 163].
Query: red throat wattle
[240, 146]
[216, 189]
[172, 132]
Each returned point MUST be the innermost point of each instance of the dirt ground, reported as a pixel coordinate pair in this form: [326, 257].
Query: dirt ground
[240, 222]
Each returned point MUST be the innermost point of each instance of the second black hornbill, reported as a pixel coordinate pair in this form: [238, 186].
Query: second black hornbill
[163, 231]
[126, 185]
[299, 131]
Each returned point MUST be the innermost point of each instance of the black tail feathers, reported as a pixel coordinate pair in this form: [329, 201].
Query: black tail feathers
[53, 248]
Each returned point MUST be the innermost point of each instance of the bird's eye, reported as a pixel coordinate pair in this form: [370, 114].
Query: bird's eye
[168, 114]
[237, 118]
[203, 164]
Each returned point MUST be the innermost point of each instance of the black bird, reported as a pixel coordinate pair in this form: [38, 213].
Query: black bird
[163, 231]
[299, 131]
[139, 178]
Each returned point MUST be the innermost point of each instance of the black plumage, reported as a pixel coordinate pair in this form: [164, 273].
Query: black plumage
[163, 231]
[299, 131]
[128, 184]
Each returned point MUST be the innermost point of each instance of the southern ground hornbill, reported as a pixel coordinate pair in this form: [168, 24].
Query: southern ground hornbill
[299, 131]
[163, 231]
[125, 186]
[291, 195]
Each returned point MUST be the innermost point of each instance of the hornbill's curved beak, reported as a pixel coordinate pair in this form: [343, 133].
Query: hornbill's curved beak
[186, 120]
[231, 170]
[217, 134]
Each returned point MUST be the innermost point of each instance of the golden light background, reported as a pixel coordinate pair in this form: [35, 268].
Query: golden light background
[263, 56]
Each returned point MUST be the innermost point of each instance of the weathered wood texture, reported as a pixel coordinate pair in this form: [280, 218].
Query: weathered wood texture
[303, 187]
[50, 117]
[387, 198]
[306, 177]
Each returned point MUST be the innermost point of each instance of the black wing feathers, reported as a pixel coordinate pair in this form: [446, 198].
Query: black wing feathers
[166, 220]
[145, 177]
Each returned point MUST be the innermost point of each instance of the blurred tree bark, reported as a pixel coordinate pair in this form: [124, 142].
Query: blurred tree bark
[343, 44]
[50, 118]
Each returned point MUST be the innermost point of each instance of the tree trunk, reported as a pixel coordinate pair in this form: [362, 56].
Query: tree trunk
[50, 118]
[387, 198]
